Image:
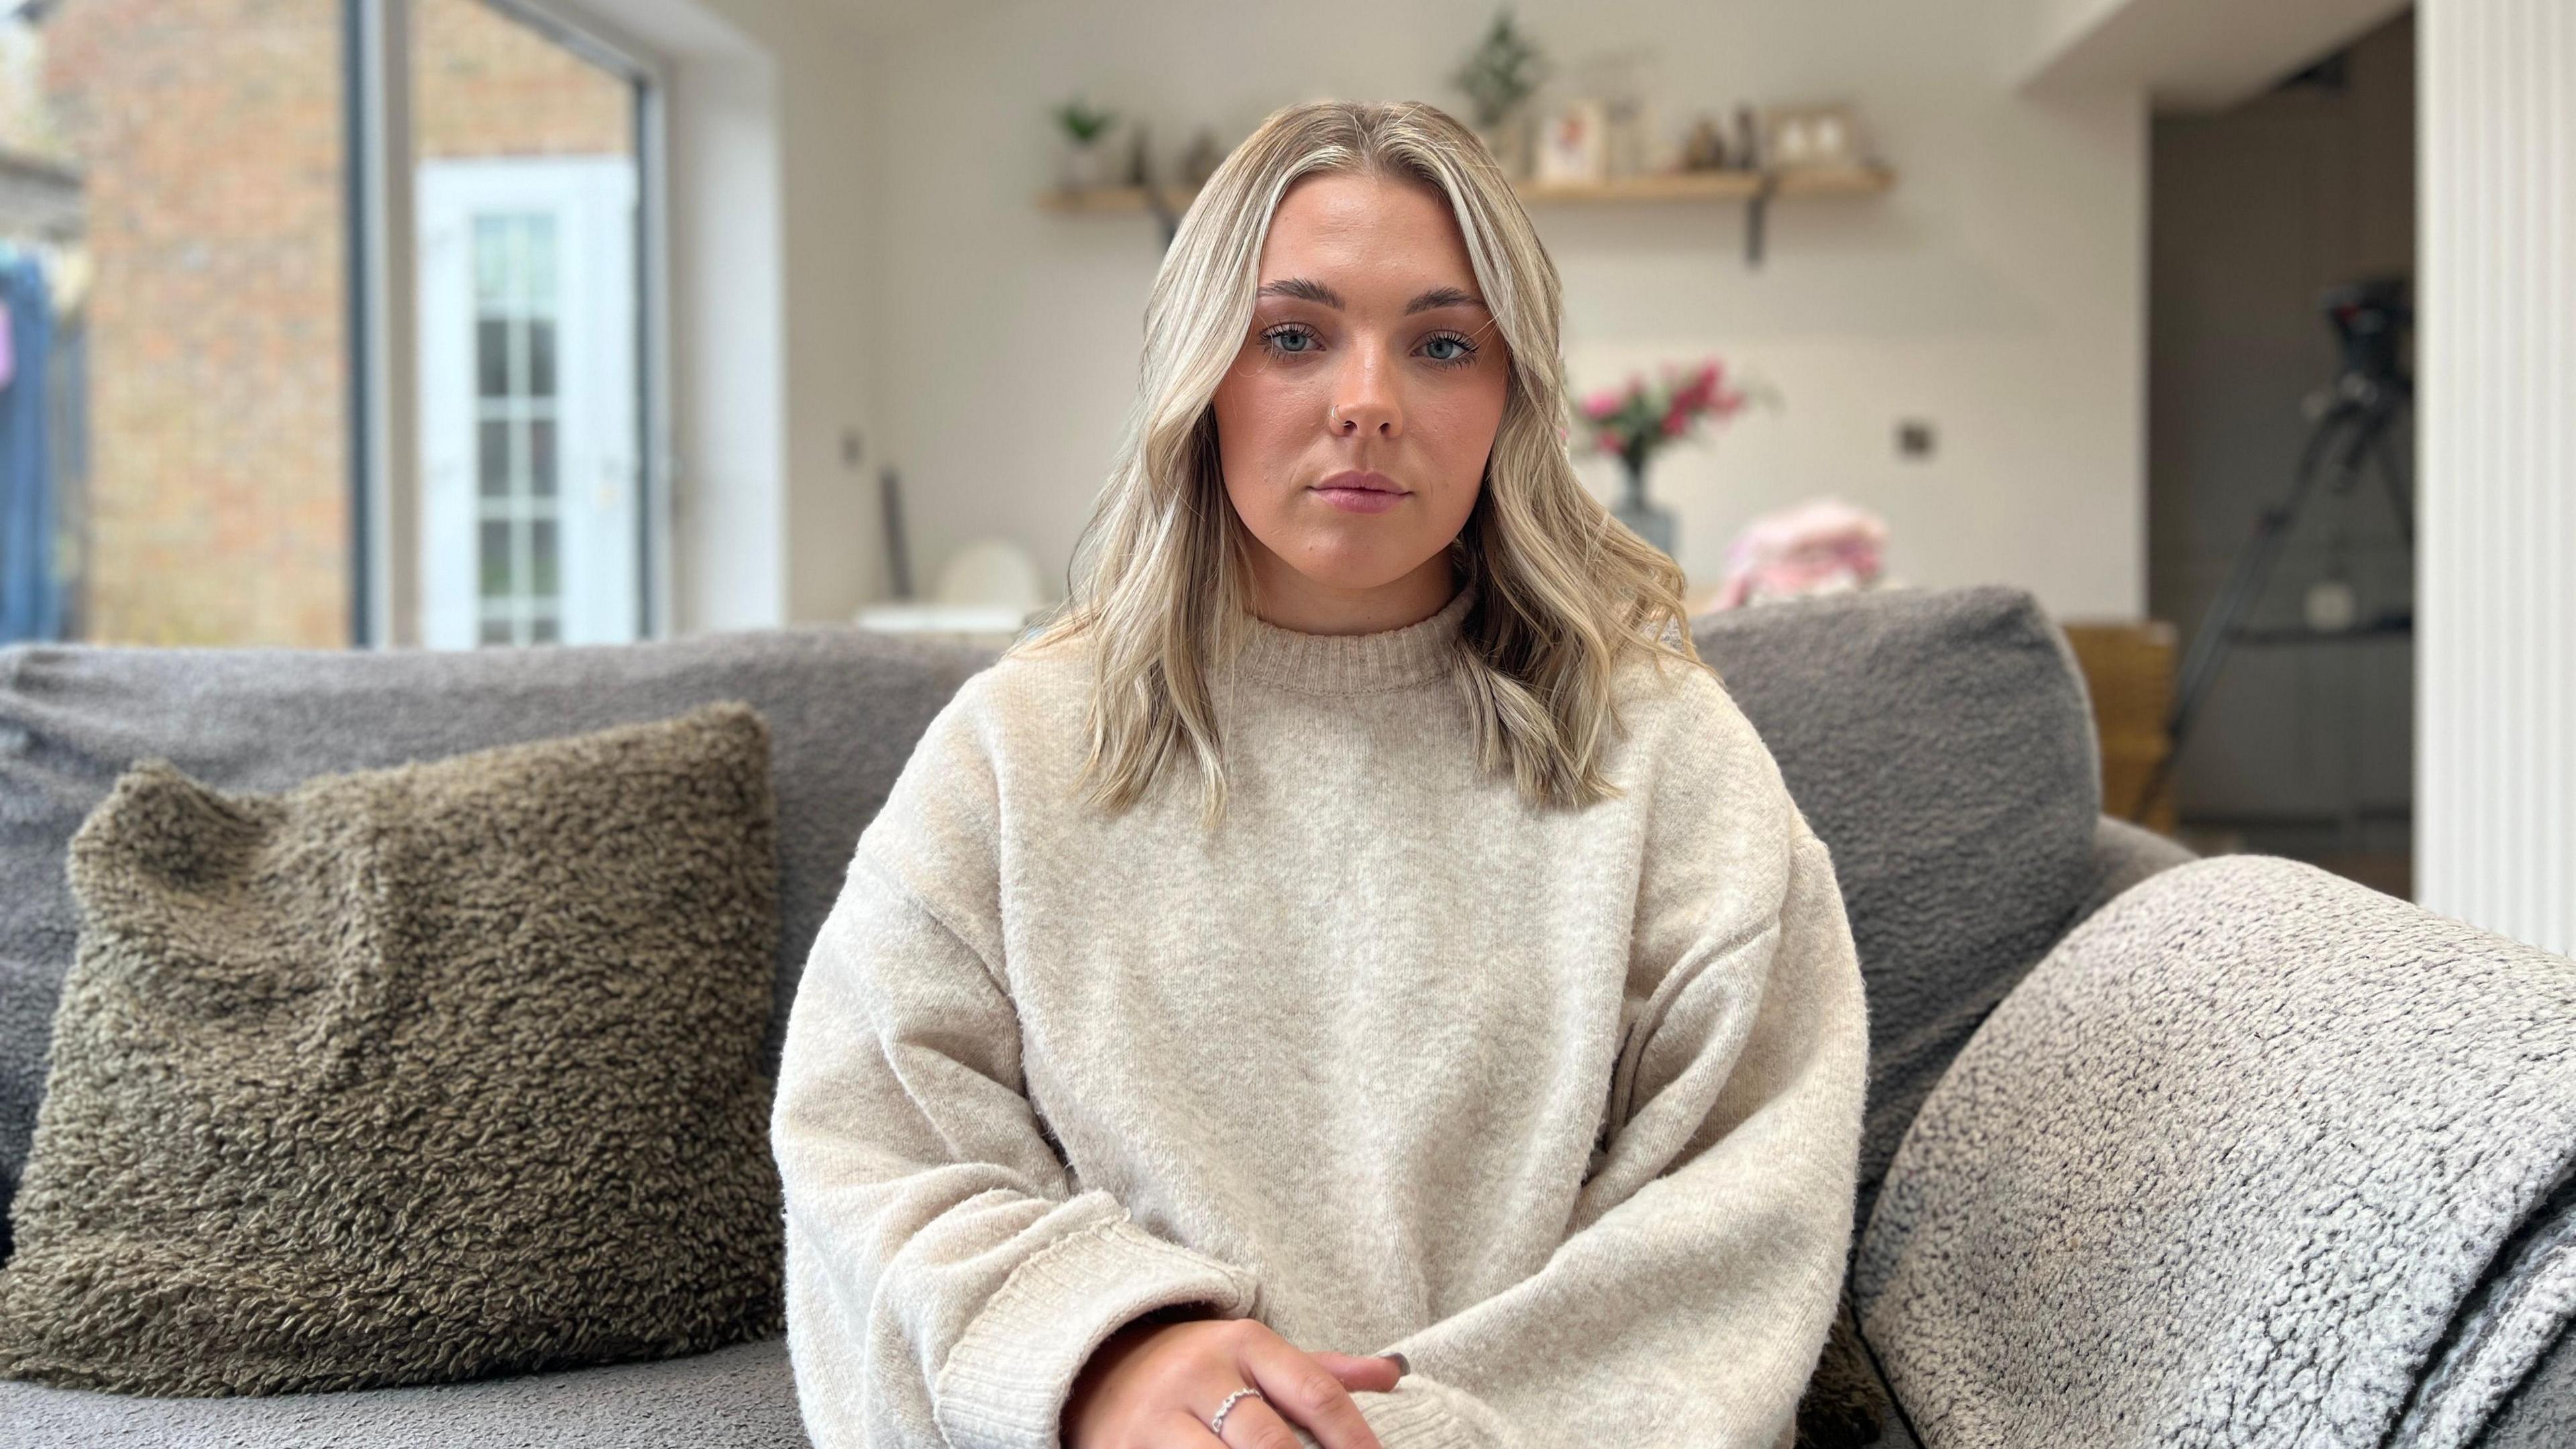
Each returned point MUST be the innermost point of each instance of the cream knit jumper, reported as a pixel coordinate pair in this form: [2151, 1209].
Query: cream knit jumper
[1563, 1106]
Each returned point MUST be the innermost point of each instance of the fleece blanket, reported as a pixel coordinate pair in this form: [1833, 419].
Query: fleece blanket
[2254, 1156]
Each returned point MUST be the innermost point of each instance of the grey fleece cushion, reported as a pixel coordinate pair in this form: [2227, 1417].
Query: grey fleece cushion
[2256, 1156]
[1941, 744]
[2541, 1414]
[843, 706]
[411, 1075]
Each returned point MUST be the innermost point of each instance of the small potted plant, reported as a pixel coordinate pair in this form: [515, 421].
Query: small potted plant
[1498, 77]
[1634, 422]
[1086, 162]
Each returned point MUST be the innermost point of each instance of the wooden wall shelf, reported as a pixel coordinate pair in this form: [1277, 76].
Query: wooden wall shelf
[1754, 188]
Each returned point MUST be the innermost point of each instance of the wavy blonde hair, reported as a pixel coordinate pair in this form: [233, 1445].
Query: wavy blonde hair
[1565, 592]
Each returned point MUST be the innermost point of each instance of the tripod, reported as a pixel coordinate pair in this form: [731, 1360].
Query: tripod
[2351, 428]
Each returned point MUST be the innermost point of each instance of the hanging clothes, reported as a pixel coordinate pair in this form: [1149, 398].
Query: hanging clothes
[31, 602]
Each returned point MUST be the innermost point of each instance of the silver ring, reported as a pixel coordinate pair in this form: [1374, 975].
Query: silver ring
[1216, 1425]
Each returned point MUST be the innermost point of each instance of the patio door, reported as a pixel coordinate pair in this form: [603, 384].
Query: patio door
[531, 465]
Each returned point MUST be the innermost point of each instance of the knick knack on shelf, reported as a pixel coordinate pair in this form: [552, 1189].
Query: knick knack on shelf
[1084, 164]
[1498, 77]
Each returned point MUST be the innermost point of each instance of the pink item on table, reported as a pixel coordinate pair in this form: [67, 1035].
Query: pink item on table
[1822, 546]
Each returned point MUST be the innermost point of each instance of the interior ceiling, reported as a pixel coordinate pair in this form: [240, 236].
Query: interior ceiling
[2190, 55]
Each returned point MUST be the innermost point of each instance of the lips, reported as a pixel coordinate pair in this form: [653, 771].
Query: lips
[1355, 491]
[1356, 479]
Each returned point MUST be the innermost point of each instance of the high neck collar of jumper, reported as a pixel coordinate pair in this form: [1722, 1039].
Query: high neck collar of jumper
[1355, 663]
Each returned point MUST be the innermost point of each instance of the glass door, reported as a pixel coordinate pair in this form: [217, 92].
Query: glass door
[532, 469]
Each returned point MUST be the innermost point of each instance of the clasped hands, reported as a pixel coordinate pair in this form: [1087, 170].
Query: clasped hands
[1155, 1382]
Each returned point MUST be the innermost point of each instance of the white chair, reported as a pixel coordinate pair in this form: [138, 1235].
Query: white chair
[985, 594]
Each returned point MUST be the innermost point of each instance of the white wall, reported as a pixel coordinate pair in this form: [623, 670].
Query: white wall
[770, 193]
[1998, 291]
[2495, 840]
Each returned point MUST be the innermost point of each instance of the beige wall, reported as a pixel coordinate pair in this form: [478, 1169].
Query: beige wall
[772, 289]
[1997, 292]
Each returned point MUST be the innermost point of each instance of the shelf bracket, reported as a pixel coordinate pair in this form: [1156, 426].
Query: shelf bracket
[1757, 208]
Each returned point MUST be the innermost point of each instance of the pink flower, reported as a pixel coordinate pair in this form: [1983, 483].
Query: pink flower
[1694, 395]
[1637, 419]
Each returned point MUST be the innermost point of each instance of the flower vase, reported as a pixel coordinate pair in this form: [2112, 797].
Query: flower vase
[1650, 520]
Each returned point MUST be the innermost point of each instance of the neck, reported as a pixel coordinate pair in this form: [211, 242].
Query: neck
[1291, 600]
[1362, 662]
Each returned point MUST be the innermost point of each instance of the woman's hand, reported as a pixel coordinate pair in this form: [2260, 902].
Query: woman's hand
[1154, 1384]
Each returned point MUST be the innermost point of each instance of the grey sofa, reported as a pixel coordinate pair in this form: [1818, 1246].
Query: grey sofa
[1940, 741]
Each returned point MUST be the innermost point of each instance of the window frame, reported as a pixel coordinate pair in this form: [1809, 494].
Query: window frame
[384, 412]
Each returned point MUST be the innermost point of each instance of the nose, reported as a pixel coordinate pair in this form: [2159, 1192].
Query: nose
[1363, 404]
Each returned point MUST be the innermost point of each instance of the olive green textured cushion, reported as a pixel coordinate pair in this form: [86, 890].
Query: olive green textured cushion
[411, 1075]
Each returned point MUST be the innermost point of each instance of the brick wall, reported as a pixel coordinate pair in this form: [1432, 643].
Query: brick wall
[208, 133]
[485, 85]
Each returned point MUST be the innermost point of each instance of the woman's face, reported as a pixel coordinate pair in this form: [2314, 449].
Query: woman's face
[1354, 425]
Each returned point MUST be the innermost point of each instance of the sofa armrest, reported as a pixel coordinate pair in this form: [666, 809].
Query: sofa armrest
[2256, 1154]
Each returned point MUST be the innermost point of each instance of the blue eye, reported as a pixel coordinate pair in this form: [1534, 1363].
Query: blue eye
[1271, 339]
[1465, 354]
[1274, 340]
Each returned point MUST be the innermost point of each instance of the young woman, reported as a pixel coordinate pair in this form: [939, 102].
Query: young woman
[1358, 921]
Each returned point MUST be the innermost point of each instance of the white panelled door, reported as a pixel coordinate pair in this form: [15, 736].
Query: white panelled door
[531, 475]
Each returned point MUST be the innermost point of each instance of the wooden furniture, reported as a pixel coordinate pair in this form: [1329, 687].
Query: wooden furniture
[2129, 671]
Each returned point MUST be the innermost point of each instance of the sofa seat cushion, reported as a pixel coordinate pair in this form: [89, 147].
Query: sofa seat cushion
[742, 1397]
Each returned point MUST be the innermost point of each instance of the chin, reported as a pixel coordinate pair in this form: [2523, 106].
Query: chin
[1353, 571]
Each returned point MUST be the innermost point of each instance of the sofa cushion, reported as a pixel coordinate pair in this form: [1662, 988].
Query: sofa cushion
[1941, 743]
[1939, 740]
[412, 1075]
[843, 706]
[733, 1398]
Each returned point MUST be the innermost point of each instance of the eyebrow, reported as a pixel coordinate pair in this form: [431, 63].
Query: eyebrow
[1310, 291]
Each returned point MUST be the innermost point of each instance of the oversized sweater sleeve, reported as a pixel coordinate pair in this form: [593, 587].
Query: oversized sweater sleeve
[1691, 1296]
[944, 1281]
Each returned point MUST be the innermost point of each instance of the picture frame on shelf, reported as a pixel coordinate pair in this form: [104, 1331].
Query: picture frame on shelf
[1573, 145]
